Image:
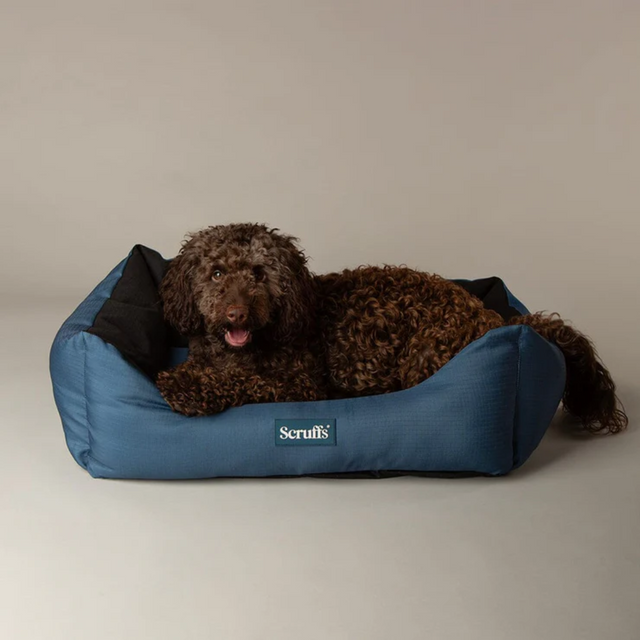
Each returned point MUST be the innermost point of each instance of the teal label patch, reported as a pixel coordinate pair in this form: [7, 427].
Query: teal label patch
[304, 432]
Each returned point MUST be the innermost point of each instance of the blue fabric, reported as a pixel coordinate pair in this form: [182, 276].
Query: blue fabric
[484, 412]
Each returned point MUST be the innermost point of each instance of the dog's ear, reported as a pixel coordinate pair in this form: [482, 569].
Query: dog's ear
[177, 295]
[298, 302]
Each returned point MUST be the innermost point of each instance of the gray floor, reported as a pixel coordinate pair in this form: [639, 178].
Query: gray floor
[552, 551]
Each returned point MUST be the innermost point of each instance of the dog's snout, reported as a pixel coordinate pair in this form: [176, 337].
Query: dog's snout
[237, 313]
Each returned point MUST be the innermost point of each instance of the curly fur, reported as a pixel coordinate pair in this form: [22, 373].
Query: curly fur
[590, 393]
[363, 331]
[266, 273]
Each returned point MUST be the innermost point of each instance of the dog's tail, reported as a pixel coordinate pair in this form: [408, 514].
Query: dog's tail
[590, 393]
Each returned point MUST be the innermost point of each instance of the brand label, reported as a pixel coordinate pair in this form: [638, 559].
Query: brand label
[302, 432]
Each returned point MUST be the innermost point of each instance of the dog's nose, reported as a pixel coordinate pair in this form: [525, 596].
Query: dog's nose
[237, 313]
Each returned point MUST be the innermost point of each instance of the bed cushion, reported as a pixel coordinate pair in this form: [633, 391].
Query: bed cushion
[482, 414]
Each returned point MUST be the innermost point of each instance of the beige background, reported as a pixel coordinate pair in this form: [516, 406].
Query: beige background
[467, 138]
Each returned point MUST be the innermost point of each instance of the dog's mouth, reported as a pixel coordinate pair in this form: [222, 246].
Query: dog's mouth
[237, 337]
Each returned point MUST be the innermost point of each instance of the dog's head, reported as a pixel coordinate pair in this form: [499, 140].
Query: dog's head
[239, 282]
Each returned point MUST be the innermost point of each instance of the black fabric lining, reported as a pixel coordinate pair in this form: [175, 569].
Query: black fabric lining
[131, 319]
[493, 294]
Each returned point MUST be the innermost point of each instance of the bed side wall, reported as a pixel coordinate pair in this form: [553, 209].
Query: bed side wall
[67, 366]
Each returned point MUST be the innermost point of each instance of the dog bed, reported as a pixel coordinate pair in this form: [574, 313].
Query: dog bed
[481, 414]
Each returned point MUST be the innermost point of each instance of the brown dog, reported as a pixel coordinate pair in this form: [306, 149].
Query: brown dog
[262, 328]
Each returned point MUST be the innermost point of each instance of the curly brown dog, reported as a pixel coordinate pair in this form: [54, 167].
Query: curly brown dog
[262, 328]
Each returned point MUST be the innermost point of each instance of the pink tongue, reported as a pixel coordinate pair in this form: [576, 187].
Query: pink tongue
[238, 336]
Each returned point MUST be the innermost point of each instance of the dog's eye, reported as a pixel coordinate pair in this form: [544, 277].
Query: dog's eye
[259, 274]
[217, 274]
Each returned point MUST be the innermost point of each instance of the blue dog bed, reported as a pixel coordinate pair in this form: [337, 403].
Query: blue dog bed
[482, 414]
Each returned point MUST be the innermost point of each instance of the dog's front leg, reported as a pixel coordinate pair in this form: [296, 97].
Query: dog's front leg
[197, 391]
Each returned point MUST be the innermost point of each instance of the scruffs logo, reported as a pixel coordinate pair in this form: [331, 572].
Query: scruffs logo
[318, 432]
[303, 432]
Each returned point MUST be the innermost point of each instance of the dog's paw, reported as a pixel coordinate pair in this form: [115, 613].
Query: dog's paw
[186, 394]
